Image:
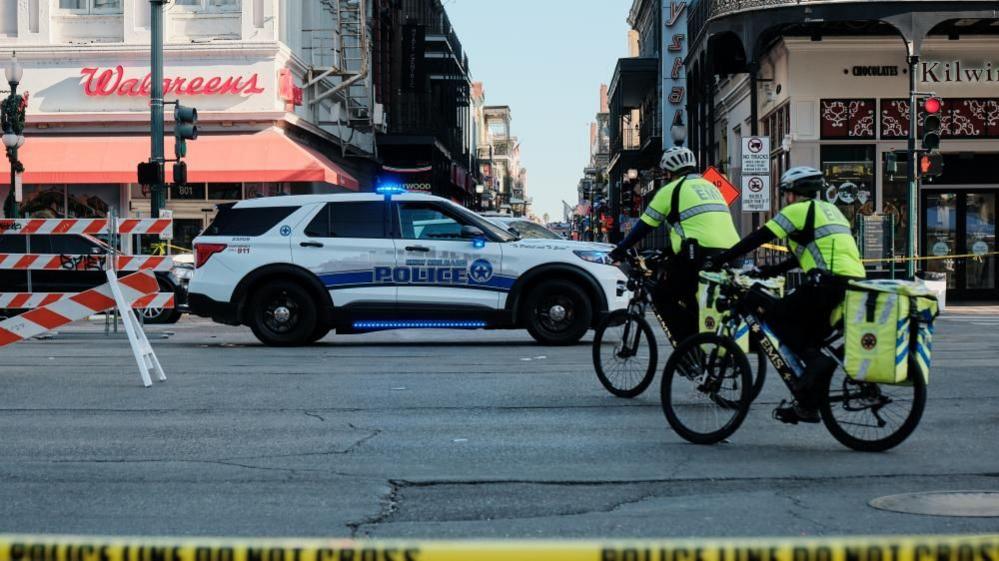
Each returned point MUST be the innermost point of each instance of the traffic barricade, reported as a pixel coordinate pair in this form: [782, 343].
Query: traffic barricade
[137, 290]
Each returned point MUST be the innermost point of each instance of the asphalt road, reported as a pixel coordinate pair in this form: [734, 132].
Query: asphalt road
[444, 434]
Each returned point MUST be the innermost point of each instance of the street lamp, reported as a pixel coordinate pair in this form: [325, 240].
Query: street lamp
[12, 119]
[678, 131]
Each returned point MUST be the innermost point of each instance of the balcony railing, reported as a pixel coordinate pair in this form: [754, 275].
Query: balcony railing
[703, 10]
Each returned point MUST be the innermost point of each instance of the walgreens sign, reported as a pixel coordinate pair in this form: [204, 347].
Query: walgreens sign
[103, 82]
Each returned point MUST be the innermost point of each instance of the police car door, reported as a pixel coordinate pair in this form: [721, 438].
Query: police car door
[344, 243]
[438, 268]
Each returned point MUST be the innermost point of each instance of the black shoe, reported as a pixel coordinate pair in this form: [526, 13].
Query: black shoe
[794, 414]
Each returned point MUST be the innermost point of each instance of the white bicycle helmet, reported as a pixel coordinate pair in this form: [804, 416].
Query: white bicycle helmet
[803, 180]
[678, 159]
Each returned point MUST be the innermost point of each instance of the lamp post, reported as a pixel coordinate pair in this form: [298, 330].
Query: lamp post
[12, 117]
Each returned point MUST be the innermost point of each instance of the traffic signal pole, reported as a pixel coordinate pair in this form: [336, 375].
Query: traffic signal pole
[158, 190]
[912, 173]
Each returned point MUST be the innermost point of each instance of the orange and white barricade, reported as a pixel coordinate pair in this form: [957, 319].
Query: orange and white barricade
[52, 311]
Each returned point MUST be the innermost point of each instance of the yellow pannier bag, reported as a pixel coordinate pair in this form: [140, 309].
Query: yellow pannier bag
[710, 319]
[927, 310]
[879, 334]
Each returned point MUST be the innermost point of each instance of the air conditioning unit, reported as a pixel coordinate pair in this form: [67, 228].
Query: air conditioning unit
[378, 118]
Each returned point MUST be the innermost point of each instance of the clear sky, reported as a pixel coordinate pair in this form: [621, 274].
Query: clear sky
[545, 59]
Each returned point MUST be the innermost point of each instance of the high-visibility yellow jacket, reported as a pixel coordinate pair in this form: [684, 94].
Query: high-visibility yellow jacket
[820, 237]
[698, 211]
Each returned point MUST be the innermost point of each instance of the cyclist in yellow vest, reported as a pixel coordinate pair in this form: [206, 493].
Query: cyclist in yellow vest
[822, 242]
[700, 225]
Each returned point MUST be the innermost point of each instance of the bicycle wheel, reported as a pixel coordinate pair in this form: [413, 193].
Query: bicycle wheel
[625, 354]
[706, 388]
[872, 417]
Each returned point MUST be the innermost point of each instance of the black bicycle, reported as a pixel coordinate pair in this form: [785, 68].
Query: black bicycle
[705, 385]
[625, 349]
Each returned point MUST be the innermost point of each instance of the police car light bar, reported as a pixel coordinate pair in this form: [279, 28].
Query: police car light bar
[366, 325]
[389, 190]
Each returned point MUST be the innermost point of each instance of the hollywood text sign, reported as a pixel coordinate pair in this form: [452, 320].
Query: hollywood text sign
[113, 82]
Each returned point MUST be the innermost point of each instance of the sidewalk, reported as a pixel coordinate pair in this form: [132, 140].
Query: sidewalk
[972, 309]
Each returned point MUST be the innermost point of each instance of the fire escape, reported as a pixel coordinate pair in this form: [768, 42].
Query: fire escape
[338, 54]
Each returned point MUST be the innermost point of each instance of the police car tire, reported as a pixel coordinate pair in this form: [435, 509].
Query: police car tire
[320, 332]
[306, 321]
[582, 311]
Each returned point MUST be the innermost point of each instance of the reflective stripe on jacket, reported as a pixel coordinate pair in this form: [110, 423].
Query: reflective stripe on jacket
[703, 214]
[831, 247]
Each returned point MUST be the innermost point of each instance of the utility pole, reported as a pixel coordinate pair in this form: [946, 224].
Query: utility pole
[911, 170]
[158, 190]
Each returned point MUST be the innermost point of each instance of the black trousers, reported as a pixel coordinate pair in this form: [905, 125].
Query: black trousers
[801, 319]
[676, 296]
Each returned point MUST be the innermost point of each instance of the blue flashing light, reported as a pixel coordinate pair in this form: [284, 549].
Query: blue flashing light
[389, 190]
[372, 325]
[479, 243]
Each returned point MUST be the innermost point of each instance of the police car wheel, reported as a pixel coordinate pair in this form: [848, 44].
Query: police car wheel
[282, 314]
[558, 313]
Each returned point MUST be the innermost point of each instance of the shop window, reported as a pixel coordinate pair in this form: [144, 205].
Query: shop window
[257, 190]
[91, 6]
[44, 201]
[189, 192]
[849, 171]
[225, 191]
[848, 118]
[210, 5]
[92, 201]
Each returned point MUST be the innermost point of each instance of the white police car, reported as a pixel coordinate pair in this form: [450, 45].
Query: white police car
[294, 268]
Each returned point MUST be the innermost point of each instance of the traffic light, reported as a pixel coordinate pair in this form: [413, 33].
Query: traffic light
[180, 173]
[150, 173]
[185, 128]
[931, 164]
[932, 123]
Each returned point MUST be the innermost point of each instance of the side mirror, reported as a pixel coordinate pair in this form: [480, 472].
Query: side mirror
[472, 232]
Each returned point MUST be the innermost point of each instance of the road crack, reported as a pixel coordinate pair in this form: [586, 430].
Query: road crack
[388, 505]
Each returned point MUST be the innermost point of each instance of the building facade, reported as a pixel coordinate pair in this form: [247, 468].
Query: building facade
[635, 118]
[425, 85]
[282, 89]
[793, 74]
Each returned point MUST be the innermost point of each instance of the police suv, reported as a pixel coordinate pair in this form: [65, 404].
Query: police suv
[295, 268]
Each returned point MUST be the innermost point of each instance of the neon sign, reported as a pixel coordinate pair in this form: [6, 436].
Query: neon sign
[112, 81]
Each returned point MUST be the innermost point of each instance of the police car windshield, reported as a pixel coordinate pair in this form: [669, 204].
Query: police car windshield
[486, 226]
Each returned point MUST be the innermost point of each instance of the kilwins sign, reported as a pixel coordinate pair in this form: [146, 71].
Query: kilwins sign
[958, 72]
[105, 82]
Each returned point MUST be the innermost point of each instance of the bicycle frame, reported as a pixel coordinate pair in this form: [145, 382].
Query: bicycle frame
[641, 300]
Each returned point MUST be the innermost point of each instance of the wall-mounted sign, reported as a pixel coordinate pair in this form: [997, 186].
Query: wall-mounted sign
[877, 71]
[756, 155]
[674, 72]
[756, 193]
[112, 81]
[957, 72]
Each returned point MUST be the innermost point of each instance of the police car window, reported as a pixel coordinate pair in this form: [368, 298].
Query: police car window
[358, 220]
[427, 222]
[232, 221]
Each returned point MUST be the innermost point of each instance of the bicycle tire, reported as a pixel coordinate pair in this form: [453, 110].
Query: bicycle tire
[628, 390]
[694, 347]
[911, 421]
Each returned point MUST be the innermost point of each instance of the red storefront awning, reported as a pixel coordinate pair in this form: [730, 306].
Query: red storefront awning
[263, 157]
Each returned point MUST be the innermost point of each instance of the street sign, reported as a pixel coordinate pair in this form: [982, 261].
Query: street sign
[756, 155]
[168, 215]
[756, 193]
[729, 191]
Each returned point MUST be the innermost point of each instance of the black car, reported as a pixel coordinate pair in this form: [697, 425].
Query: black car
[80, 280]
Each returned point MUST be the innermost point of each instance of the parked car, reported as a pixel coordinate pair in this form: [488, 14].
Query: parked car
[70, 281]
[295, 268]
[524, 228]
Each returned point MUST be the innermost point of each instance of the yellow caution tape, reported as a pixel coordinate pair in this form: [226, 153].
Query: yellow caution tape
[902, 548]
[901, 259]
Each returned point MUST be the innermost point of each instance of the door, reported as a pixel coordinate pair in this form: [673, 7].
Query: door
[963, 223]
[980, 240]
[437, 267]
[344, 244]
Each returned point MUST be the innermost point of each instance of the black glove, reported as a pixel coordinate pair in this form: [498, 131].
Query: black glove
[709, 264]
[618, 255]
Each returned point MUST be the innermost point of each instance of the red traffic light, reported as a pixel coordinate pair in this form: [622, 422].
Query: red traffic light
[932, 105]
[925, 164]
